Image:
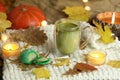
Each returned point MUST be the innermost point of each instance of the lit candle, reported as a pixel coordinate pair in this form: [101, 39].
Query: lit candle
[113, 18]
[96, 57]
[10, 50]
[44, 23]
[109, 17]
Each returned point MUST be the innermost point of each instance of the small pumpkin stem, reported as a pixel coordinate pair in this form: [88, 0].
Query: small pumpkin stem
[24, 9]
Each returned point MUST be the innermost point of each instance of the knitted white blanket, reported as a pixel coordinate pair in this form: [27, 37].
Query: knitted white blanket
[104, 72]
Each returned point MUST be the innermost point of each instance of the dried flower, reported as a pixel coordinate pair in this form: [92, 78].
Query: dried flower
[32, 36]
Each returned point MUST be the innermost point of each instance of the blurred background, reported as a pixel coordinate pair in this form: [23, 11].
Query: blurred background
[53, 9]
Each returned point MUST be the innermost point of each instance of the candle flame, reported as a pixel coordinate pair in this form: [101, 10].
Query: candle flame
[95, 55]
[9, 47]
[113, 18]
[4, 37]
[44, 23]
[85, 1]
[87, 8]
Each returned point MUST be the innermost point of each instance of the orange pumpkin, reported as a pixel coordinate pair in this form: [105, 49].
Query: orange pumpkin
[24, 16]
[2, 7]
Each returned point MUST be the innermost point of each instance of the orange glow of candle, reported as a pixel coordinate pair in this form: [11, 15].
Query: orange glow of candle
[10, 50]
[113, 18]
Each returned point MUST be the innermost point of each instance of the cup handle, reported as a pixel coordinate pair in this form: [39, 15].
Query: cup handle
[84, 42]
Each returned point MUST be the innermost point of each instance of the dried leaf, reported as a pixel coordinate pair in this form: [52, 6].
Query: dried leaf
[72, 72]
[84, 67]
[62, 61]
[80, 67]
[32, 36]
[41, 73]
[114, 63]
[3, 16]
[77, 13]
[106, 33]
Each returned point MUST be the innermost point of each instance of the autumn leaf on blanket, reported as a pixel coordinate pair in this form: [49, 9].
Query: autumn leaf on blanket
[84, 67]
[41, 73]
[106, 33]
[77, 13]
[4, 23]
[62, 62]
[80, 67]
[114, 63]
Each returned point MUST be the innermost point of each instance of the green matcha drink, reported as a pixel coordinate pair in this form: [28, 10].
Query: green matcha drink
[67, 37]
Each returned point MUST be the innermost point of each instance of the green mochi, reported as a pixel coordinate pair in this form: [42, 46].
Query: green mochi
[42, 61]
[28, 55]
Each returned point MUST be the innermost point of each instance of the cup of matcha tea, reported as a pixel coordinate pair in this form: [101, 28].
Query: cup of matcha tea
[67, 36]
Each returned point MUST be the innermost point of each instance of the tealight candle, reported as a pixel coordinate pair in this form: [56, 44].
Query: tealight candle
[10, 50]
[96, 57]
[109, 17]
[112, 19]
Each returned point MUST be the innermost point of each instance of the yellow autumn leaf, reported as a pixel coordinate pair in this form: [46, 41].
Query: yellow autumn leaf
[106, 33]
[77, 13]
[62, 62]
[41, 73]
[4, 23]
[114, 63]
[3, 16]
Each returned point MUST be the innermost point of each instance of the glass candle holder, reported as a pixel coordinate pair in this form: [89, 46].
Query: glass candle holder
[96, 57]
[10, 50]
[112, 19]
